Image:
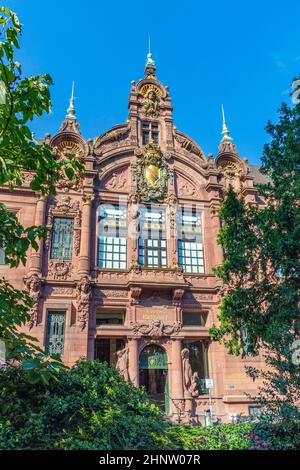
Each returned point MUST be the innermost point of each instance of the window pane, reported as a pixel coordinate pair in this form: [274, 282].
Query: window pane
[55, 333]
[155, 137]
[112, 249]
[192, 318]
[190, 247]
[152, 241]
[145, 138]
[62, 238]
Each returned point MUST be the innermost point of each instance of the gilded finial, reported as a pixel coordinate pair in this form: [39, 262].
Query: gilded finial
[225, 132]
[71, 109]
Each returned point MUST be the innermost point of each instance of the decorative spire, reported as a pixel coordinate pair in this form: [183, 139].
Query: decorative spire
[71, 116]
[70, 123]
[150, 61]
[225, 132]
[150, 64]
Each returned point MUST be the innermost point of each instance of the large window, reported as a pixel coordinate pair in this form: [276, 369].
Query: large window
[55, 334]
[112, 244]
[199, 361]
[152, 240]
[150, 132]
[62, 238]
[190, 243]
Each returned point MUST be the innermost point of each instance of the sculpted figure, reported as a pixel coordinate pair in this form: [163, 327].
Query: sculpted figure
[33, 284]
[122, 363]
[151, 104]
[83, 301]
[194, 386]
[186, 372]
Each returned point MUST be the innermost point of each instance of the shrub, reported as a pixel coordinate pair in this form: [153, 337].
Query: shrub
[222, 437]
[87, 407]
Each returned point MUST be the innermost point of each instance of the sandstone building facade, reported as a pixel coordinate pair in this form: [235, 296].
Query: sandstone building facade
[125, 275]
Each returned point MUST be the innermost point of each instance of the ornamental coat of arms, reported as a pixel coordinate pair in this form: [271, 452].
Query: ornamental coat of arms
[151, 173]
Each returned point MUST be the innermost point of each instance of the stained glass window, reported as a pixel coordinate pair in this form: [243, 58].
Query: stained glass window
[190, 243]
[55, 334]
[112, 245]
[152, 240]
[62, 238]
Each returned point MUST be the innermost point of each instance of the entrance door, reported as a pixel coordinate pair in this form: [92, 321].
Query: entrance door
[154, 375]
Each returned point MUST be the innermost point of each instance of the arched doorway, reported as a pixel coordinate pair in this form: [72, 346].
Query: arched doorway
[153, 375]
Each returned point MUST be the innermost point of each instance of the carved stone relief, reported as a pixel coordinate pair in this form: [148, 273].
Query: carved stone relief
[116, 181]
[60, 269]
[156, 329]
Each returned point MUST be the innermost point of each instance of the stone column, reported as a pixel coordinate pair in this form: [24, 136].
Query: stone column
[36, 256]
[84, 256]
[133, 235]
[172, 231]
[133, 360]
[176, 392]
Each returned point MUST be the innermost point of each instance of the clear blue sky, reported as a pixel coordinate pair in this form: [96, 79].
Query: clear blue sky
[242, 54]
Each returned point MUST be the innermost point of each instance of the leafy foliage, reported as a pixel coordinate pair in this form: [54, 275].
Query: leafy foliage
[222, 437]
[22, 99]
[261, 274]
[89, 407]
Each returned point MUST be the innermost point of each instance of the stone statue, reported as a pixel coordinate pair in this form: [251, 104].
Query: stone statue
[186, 372]
[194, 386]
[151, 104]
[83, 301]
[33, 284]
[122, 363]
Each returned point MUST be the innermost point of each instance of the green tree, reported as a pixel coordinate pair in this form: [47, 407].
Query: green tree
[21, 100]
[261, 270]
